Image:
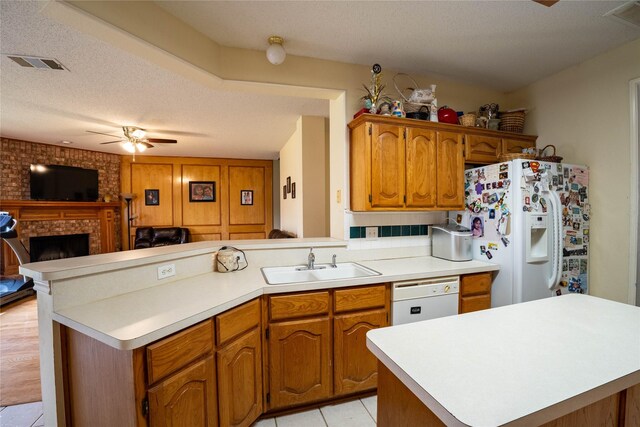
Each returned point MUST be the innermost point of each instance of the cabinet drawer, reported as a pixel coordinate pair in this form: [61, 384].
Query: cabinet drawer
[298, 305]
[359, 298]
[234, 322]
[482, 148]
[474, 284]
[170, 354]
[475, 303]
[516, 145]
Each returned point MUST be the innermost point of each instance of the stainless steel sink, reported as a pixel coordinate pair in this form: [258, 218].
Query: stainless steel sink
[321, 272]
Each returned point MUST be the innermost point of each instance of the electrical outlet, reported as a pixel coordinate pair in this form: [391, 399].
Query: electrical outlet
[372, 233]
[339, 196]
[166, 271]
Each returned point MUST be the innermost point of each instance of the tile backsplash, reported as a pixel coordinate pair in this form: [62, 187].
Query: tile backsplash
[391, 231]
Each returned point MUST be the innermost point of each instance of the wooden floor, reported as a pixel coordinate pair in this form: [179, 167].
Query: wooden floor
[19, 358]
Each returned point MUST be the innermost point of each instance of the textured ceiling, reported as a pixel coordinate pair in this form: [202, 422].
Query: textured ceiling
[499, 44]
[106, 88]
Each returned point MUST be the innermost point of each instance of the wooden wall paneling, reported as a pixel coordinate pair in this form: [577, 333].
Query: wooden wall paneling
[201, 237]
[202, 229]
[200, 213]
[247, 236]
[246, 178]
[158, 176]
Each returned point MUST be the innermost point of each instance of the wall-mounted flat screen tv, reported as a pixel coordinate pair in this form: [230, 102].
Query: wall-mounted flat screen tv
[56, 182]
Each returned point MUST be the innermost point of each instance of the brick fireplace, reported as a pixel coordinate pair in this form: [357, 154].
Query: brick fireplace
[98, 219]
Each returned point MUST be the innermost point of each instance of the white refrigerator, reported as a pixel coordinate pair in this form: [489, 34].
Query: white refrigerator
[531, 218]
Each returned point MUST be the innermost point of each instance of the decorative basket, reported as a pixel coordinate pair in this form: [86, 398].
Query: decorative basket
[507, 157]
[512, 121]
[553, 158]
[417, 99]
[468, 119]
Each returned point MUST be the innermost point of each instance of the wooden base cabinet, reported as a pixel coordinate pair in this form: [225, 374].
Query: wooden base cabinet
[187, 398]
[239, 357]
[355, 367]
[317, 343]
[240, 380]
[299, 366]
[475, 292]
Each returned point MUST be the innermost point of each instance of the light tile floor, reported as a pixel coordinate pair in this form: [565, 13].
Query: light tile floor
[25, 415]
[356, 413]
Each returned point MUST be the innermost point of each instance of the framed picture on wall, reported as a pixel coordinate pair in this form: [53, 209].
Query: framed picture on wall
[246, 197]
[288, 184]
[151, 197]
[284, 191]
[293, 190]
[202, 191]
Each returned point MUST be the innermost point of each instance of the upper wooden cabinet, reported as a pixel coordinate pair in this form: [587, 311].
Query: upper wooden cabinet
[387, 166]
[399, 164]
[407, 164]
[450, 171]
[510, 145]
[482, 148]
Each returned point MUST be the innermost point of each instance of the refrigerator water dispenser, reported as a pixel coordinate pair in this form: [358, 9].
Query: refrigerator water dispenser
[537, 238]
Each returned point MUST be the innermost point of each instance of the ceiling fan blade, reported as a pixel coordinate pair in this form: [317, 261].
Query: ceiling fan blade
[146, 144]
[111, 142]
[162, 141]
[100, 133]
[547, 3]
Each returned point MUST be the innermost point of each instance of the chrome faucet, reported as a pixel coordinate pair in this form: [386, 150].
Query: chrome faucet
[311, 260]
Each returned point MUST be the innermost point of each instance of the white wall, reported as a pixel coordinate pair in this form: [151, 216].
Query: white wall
[303, 159]
[291, 166]
[313, 187]
[584, 112]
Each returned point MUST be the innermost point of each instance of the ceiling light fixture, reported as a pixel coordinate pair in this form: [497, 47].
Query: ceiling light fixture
[276, 53]
[129, 146]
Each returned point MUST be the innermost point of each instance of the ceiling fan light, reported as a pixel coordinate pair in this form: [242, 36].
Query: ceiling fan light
[128, 145]
[138, 133]
[141, 146]
[276, 53]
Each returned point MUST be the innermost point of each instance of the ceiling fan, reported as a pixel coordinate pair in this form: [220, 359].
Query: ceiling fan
[135, 139]
[547, 3]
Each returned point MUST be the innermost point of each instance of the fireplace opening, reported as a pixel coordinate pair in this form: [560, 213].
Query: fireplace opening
[46, 248]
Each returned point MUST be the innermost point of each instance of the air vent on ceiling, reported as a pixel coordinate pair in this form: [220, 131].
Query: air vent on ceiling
[628, 13]
[35, 62]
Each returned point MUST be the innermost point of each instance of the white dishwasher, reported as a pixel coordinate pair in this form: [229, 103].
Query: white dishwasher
[416, 300]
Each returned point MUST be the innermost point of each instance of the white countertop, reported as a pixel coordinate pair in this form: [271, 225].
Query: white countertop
[134, 319]
[523, 363]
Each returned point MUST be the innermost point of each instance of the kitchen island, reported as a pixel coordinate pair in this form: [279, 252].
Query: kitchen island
[571, 360]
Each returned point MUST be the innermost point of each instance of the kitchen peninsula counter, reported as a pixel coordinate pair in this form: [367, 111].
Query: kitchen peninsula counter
[523, 364]
[134, 319]
[118, 299]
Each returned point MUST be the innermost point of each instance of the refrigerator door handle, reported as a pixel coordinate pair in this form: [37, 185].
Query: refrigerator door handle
[556, 267]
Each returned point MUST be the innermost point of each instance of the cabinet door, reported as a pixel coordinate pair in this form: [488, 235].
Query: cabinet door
[240, 380]
[482, 149]
[475, 292]
[450, 170]
[421, 168]
[387, 166]
[516, 145]
[299, 369]
[187, 398]
[355, 367]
